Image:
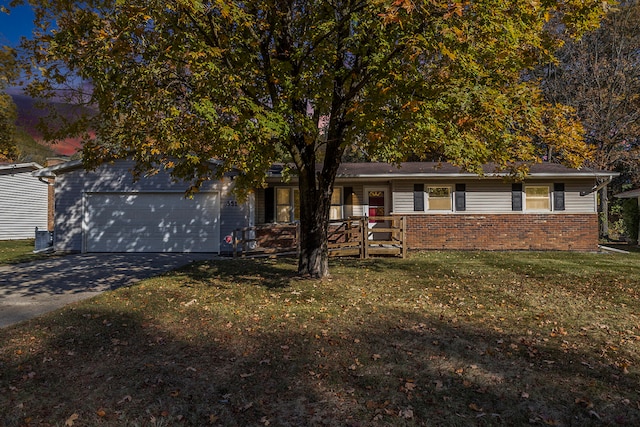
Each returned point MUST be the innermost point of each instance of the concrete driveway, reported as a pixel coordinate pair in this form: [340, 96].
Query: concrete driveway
[31, 289]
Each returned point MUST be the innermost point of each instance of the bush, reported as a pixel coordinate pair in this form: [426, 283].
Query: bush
[631, 217]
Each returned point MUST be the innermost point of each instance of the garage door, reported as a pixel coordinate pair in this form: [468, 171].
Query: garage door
[152, 222]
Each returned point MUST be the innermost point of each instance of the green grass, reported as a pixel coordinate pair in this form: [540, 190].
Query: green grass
[17, 251]
[438, 339]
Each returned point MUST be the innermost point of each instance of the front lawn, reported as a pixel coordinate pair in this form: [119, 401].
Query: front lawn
[438, 339]
[16, 251]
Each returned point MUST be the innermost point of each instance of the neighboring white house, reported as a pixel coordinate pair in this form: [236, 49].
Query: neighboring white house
[23, 201]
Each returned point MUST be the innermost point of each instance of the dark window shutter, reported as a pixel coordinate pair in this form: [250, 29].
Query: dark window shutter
[558, 196]
[516, 197]
[269, 204]
[418, 197]
[461, 197]
[348, 196]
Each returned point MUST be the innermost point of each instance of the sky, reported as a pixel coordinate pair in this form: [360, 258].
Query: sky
[19, 23]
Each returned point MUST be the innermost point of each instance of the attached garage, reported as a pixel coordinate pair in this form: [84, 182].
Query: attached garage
[152, 222]
[107, 210]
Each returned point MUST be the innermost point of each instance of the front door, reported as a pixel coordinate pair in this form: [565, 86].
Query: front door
[377, 200]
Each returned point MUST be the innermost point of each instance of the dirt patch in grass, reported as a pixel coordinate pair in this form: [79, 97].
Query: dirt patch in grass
[442, 338]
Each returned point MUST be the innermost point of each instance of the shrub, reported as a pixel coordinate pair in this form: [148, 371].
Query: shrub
[631, 217]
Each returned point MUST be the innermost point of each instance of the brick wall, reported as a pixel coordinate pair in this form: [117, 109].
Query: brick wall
[572, 232]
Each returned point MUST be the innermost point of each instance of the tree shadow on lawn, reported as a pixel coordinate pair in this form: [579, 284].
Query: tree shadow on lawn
[403, 368]
[270, 274]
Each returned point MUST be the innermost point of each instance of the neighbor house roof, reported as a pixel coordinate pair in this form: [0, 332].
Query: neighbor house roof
[629, 194]
[12, 168]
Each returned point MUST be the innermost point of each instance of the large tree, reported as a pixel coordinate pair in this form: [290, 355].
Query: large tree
[599, 76]
[8, 112]
[176, 82]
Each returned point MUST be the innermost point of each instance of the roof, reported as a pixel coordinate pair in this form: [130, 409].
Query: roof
[442, 170]
[13, 168]
[629, 194]
[53, 171]
[403, 170]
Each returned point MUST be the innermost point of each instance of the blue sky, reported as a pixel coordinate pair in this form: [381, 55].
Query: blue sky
[16, 25]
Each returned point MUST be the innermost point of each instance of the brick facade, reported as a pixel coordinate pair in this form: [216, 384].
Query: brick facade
[565, 232]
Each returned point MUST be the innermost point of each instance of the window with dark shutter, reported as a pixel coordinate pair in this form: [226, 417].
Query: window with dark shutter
[558, 196]
[516, 197]
[461, 197]
[269, 206]
[418, 197]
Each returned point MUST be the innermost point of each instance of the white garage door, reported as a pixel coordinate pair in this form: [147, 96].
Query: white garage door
[152, 222]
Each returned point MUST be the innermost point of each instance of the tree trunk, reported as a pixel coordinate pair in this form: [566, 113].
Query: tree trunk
[315, 204]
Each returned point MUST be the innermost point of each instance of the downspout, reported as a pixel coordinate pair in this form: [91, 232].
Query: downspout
[598, 187]
[603, 222]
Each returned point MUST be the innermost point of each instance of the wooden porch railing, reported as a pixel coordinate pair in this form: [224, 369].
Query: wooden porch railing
[356, 236]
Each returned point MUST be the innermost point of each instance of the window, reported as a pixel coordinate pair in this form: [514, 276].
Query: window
[283, 204]
[336, 204]
[439, 198]
[537, 198]
[288, 204]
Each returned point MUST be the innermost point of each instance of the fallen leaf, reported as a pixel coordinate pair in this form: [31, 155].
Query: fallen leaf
[127, 398]
[410, 386]
[101, 413]
[71, 419]
[406, 413]
[475, 407]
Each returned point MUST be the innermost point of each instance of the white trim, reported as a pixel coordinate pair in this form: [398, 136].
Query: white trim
[549, 197]
[427, 198]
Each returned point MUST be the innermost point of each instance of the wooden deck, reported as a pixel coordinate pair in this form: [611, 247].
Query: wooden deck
[355, 237]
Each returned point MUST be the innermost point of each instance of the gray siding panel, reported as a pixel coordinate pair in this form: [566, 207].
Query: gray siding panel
[487, 196]
[23, 206]
[574, 202]
[403, 197]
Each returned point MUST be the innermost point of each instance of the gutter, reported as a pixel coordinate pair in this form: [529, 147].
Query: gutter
[598, 187]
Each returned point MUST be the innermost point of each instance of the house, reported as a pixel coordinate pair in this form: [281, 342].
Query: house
[446, 208]
[23, 201]
[105, 210]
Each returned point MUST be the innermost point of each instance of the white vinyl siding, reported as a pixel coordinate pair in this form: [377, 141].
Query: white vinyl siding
[486, 196]
[23, 205]
[575, 203]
